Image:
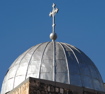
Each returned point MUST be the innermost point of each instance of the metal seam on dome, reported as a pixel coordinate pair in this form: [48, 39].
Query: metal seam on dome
[18, 58]
[89, 59]
[76, 59]
[95, 68]
[68, 72]
[31, 58]
[15, 62]
[88, 69]
[98, 82]
[20, 62]
[19, 65]
[73, 53]
[92, 64]
[54, 61]
[41, 59]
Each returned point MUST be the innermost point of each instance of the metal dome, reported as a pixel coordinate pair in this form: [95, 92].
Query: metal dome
[72, 67]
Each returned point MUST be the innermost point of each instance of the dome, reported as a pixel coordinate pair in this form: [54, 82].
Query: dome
[71, 66]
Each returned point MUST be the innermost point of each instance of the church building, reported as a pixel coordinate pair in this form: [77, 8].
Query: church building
[53, 68]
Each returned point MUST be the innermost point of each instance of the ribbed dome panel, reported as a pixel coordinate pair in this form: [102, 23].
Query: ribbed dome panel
[70, 66]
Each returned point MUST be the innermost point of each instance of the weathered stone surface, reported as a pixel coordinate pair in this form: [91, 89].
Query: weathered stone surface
[22, 89]
[38, 86]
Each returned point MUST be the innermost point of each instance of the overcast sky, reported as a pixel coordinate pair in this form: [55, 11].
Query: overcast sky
[25, 23]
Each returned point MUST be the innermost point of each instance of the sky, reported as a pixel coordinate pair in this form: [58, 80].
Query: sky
[25, 23]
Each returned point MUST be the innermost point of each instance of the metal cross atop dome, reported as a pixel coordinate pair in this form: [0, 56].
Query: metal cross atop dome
[52, 14]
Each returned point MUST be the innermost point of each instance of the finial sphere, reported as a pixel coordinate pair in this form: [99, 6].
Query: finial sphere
[53, 36]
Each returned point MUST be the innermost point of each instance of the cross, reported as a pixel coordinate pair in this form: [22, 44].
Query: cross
[52, 14]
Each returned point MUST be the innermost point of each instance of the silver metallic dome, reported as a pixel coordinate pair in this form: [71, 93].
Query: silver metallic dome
[72, 67]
